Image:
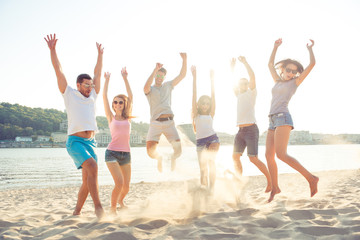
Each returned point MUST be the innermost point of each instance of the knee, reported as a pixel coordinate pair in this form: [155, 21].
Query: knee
[236, 157]
[281, 155]
[92, 169]
[177, 147]
[253, 159]
[269, 155]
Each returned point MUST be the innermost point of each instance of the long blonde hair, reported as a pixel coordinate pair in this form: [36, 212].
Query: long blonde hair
[127, 110]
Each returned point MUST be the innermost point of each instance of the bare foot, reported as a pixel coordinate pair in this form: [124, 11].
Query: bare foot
[113, 211]
[268, 188]
[173, 163]
[273, 193]
[76, 213]
[159, 164]
[313, 186]
[99, 212]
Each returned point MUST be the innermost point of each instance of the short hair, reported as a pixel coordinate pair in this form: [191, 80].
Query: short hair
[163, 70]
[285, 62]
[83, 76]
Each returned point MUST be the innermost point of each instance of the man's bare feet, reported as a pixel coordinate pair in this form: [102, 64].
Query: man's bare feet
[99, 212]
[268, 188]
[159, 163]
[273, 193]
[313, 186]
[76, 213]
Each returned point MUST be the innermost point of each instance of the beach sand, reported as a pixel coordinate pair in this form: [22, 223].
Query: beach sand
[181, 210]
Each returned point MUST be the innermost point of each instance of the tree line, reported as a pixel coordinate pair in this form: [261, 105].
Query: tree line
[17, 120]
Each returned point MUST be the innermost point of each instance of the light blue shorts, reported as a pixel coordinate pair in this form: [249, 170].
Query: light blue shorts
[280, 119]
[81, 149]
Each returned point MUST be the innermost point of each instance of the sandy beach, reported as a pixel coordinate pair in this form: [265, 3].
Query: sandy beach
[181, 210]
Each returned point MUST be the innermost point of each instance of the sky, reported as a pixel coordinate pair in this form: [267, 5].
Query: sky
[137, 34]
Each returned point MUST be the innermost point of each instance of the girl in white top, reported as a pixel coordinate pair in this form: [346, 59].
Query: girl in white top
[207, 142]
[117, 155]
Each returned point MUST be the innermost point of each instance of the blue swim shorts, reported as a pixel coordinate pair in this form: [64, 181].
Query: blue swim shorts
[114, 156]
[81, 149]
[247, 137]
[280, 119]
[203, 143]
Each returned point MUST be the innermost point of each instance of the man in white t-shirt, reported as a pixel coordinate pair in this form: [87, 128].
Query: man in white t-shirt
[80, 108]
[161, 122]
[248, 134]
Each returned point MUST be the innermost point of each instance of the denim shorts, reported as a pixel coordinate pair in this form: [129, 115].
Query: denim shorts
[81, 149]
[114, 156]
[204, 143]
[280, 119]
[247, 137]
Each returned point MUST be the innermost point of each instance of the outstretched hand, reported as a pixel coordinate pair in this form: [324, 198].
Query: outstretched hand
[183, 55]
[158, 66]
[242, 59]
[107, 75]
[99, 48]
[124, 73]
[311, 45]
[193, 70]
[278, 42]
[51, 41]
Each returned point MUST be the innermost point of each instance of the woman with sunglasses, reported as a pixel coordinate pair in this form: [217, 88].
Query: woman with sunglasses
[117, 155]
[287, 74]
[207, 142]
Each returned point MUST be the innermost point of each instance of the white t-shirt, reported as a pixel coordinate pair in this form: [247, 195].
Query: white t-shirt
[80, 110]
[246, 107]
[204, 126]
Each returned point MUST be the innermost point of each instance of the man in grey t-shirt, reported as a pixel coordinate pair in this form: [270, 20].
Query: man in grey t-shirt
[161, 122]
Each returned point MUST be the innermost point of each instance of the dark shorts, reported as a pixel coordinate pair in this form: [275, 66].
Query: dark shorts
[204, 143]
[280, 119]
[114, 156]
[247, 137]
[81, 149]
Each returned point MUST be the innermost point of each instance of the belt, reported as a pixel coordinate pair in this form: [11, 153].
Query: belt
[164, 119]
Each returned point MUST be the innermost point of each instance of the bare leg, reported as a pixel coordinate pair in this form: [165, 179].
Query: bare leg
[270, 158]
[115, 171]
[151, 150]
[213, 149]
[177, 152]
[282, 135]
[203, 169]
[262, 167]
[237, 163]
[126, 173]
[90, 166]
[83, 193]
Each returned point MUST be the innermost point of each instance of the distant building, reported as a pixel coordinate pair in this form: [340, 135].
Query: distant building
[59, 137]
[135, 138]
[103, 137]
[23, 139]
[43, 139]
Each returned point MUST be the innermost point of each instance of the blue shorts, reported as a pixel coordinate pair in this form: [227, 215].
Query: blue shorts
[81, 149]
[120, 157]
[203, 143]
[247, 137]
[280, 119]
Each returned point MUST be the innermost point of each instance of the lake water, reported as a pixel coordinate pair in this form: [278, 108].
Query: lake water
[52, 167]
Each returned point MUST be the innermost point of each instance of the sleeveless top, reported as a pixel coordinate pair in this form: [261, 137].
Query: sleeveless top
[120, 135]
[204, 126]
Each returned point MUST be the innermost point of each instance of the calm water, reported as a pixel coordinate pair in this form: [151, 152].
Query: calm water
[46, 167]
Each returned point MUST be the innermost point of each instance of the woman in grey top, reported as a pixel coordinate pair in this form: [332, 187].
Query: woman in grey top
[288, 74]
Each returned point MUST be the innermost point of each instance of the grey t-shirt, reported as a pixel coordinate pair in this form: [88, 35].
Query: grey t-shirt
[159, 99]
[281, 95]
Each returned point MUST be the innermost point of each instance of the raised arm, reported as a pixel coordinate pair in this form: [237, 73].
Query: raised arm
[194, 105]
[124, 74]
[150, 80]
[182, 74]
[236, 86]
[271, 64]
[212, 110]
[252, 83]
[61, 80]
[98, 67]
[308, 69]
[108, 112]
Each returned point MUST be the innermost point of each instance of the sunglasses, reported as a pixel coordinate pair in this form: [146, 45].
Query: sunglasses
[288, 70]
[120, 102]
[88, 85]
[159, 76]
[205, 103]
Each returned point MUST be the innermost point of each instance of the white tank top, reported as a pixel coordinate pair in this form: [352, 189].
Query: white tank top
[204, 126]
